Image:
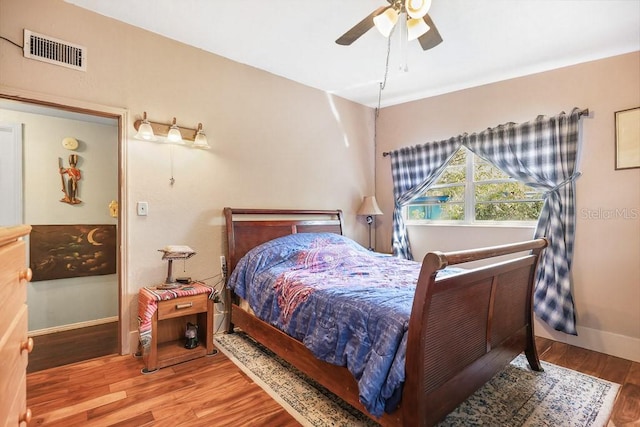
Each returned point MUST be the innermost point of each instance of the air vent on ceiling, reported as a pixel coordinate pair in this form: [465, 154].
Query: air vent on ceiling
[54, 51]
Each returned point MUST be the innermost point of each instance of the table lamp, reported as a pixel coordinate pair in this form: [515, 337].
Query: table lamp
[369, 208]
[171, 253]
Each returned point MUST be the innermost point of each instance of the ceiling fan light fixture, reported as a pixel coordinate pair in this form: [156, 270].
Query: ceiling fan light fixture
[417, 8]
[416, 27]
[386, 21]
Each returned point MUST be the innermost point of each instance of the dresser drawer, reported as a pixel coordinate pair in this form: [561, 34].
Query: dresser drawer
[182, 306]
[17, 408]
[13, 360]
[13, 262]
[13, 290]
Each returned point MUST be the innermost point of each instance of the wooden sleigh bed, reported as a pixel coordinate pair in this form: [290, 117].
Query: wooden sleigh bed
[462, 331]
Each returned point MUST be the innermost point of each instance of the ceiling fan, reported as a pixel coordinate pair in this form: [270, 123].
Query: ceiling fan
[412, 14]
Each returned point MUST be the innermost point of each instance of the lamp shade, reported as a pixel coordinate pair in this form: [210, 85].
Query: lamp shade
[369, 207]
[417, 8]
[386, 21]
[174, 134]
[200, 140]
[416, 28]
[145, 131]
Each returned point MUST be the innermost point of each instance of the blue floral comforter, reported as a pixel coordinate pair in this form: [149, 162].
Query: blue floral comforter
[348, 305]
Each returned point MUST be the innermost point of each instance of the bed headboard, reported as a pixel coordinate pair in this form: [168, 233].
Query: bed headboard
[248, 228]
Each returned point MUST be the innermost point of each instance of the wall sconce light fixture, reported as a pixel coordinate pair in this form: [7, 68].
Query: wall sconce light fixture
[174, 134]
[145, 131]
[200, 140]
[148, 131]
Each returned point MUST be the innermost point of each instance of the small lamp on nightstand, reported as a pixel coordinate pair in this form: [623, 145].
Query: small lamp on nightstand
[369, 208]
[171, 253]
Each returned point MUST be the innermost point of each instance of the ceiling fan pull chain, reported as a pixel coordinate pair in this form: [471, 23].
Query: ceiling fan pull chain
[383, 83]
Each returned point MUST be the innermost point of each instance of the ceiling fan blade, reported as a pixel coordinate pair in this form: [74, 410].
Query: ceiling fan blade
[432, 37]
[360, 28]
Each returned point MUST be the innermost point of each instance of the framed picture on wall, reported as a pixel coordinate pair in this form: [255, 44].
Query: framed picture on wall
[628, 138]
[65, 251]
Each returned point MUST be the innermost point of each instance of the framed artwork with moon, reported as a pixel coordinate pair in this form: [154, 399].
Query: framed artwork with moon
[65, 251]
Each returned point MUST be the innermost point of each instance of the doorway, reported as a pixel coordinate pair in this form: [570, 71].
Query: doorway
[78, 317]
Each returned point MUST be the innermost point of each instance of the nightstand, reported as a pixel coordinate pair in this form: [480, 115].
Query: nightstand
[163, 316]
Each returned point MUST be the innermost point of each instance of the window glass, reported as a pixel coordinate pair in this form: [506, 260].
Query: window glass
[472, 190]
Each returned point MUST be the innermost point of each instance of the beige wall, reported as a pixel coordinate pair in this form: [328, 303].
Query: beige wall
[606, 267]
[275, 143]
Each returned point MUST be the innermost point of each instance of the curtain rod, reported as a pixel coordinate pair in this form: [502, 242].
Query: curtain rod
[584, 112]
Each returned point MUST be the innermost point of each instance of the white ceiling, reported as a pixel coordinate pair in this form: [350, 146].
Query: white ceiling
[484, 40]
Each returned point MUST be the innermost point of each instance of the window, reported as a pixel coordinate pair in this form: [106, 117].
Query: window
[471, 190]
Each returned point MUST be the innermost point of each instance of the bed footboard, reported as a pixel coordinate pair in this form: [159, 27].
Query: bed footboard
[465, 328]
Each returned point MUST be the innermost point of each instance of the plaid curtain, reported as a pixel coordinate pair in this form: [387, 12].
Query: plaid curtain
[541, 153]
[414, 169]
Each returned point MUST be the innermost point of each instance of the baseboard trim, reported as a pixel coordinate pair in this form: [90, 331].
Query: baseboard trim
[596, 340]
[72, 326]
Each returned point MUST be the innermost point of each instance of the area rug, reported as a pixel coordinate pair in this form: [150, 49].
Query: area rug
[514, 397]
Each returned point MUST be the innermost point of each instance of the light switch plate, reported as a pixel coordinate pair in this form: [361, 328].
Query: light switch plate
[143, 208]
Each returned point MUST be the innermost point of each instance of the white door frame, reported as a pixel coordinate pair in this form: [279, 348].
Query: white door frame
[126, 316]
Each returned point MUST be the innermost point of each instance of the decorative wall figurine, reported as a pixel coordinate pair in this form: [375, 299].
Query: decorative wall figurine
[73, 176]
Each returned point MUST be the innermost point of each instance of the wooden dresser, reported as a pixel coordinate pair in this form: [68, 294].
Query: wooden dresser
[14, 343]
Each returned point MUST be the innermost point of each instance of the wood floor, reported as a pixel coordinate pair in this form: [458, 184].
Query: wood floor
[111, 391]
[212, 391]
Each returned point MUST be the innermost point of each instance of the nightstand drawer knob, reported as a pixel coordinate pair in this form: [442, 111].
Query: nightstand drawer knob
[183, 306]
[26, 275]
[27, 345]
